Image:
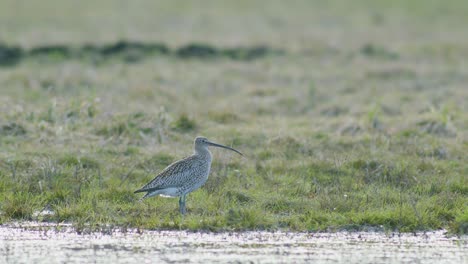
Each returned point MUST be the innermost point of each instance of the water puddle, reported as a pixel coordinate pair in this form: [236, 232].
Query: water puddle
[31, 243]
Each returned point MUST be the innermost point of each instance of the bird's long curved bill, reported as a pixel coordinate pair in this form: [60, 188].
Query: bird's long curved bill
[222, 146]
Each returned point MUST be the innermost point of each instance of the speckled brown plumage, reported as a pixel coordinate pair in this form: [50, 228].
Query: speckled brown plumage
[184, 176]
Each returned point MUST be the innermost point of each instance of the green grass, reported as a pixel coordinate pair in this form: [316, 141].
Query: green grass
[360, 122]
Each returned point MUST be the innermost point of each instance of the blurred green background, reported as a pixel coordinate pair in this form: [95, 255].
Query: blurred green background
[353, 114]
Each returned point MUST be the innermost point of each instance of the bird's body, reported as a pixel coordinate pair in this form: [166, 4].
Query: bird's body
[180, 178]
[184, 176]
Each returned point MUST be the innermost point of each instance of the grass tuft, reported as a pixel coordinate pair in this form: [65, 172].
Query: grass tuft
[184, 124]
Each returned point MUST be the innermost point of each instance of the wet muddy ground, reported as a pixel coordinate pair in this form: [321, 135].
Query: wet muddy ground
[40, 244]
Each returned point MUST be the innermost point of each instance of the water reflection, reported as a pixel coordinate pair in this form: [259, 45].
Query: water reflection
[41, 244]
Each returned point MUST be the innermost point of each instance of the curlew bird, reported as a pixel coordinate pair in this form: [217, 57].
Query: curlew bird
[184, 176]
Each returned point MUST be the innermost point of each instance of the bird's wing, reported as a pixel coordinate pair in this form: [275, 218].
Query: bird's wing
[172, 175]
[151, 189]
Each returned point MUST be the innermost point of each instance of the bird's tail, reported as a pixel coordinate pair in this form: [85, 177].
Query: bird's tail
[139, 191]
[143, 198]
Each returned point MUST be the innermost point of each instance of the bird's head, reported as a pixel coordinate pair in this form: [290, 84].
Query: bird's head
[203, 143]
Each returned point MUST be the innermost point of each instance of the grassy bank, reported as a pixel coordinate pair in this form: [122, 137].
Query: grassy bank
[359, 122]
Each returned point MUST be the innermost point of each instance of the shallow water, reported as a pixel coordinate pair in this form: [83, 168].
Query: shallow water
[41, 244]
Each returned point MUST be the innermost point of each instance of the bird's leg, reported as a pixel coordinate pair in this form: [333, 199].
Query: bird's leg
[182, 204]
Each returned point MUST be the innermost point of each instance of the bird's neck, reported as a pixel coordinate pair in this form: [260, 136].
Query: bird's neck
[203, 152]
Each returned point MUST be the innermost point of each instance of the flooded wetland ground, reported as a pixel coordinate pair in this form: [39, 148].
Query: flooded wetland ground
[36, 244]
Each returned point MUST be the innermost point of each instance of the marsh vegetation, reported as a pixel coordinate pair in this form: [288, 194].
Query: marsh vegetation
[353, 115]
